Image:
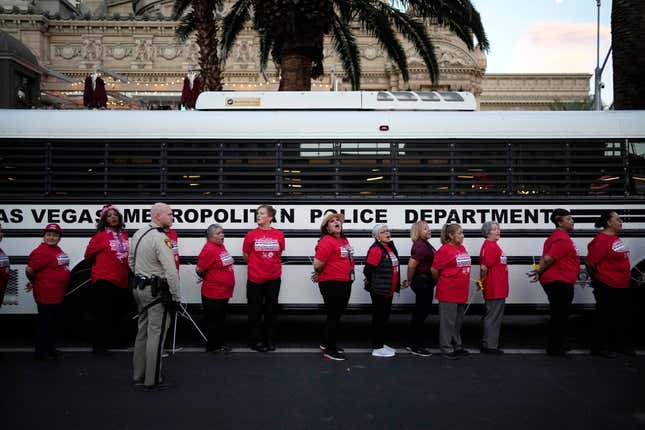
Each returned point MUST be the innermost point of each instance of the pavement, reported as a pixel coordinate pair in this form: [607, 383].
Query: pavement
[295, 388]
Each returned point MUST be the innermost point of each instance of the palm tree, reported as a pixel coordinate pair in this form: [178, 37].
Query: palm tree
[293, 32]
[201, 20]
[627, 22]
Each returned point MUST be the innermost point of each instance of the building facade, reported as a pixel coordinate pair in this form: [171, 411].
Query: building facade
[135, 40]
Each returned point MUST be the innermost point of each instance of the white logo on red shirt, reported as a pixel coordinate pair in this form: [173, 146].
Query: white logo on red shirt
[4, 260]
[463, 260]
[226, 258]
[619, 246]
[63, 260]
[346, 251]
[266, 244]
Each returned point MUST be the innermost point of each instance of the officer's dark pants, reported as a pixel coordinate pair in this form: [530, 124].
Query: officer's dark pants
[610, 319]
[381, 307]
[560, 295]
[49, 319]
[336, 296]
[215, 313]
[423, 287]
[262, 302]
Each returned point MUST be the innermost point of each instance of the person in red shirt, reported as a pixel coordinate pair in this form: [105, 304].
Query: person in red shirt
[108, 254]
[334, 272]
[215, 267]
[421, 282]
[557, 272]
[494, 273]
[451, 271]
[262, 251]
[382, 279]
[48, 274]
[608, 265]
[174, 240]
[4, 270]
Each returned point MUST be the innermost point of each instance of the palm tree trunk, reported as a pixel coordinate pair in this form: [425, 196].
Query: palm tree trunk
[295, 72]
[206, 30]
[627, 22]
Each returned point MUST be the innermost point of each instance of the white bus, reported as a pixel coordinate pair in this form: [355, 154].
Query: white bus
[378, 157]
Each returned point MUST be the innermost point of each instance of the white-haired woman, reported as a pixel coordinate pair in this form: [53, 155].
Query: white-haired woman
[215, 267]
[494, 273]
[382, 279]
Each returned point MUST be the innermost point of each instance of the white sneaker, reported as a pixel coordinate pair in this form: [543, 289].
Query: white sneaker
[389, 348]
[383, 352]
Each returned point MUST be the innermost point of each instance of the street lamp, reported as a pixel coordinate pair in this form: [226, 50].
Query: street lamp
[598, 85]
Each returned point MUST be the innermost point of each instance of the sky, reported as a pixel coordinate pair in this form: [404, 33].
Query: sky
[547, 36]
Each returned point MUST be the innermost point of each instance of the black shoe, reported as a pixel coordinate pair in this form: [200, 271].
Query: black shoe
[462, 352]
[224, 349]
[450, 355]
[421, 352]
[333, 354]
[41, 357]
[323, 347]
[496, 351]
[56, 353]
[270, 346]
[603, 353]
[259, 347]
[156, 387]
[628, 350]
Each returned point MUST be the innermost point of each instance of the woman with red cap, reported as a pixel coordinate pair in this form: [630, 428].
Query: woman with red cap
[334, 272]
[48, 275]
[108, 253]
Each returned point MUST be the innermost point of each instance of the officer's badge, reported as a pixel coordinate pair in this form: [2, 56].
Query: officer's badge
[168, 243]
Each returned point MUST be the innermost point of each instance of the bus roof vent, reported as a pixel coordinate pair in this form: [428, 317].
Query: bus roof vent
[337, 100]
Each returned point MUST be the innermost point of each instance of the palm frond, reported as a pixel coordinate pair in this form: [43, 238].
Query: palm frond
[179, 8]
[377, 24]
[233, 24]
[460, 16]
[417, 34]
[266, 43]
[347, 49]
[186, 26]
[345, 10]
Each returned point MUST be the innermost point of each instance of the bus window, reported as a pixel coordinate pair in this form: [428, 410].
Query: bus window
[637, 167]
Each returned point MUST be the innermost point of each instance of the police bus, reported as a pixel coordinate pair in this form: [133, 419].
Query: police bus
[377, 157]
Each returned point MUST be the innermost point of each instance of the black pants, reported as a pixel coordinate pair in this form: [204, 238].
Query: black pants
[610, 328]
[423, 287]
[336, 296]
[49, 319]
[215, 313]
[381, 306]
[560, 296]
[262, 302]
[109, 303]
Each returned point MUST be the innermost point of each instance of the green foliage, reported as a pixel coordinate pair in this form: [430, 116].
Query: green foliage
[298, 27]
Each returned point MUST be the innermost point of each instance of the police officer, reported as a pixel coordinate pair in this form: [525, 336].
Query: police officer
[156, 290]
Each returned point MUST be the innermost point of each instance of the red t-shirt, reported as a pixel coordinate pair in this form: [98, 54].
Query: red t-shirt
[4, 271]
[453, 264]
[219, 280]
[174, 239]
[611, 257]
[110, 252]
[374, 256]
[337, 254]
[264, 248]
[52, 273]
[496, 282]
[560, 247]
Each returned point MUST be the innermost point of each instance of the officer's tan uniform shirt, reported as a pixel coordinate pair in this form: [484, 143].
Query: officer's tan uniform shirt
[154, 257]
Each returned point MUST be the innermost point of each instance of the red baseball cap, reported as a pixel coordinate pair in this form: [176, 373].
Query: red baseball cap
[53, 227]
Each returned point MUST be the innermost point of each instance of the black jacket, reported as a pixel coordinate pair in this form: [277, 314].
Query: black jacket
[378, 279]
